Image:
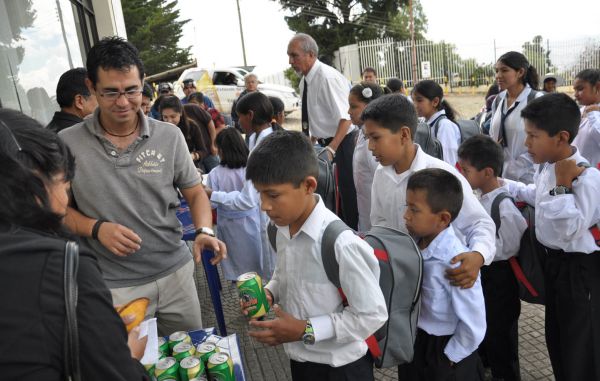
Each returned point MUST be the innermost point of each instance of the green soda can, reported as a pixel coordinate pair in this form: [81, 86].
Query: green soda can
[166, 369]
[183, 350]
[220, 367]
[251, 292]
[163, 346]
[150, 369]
[178, 337]
[205, 350]
[201, 378]
[190, 368]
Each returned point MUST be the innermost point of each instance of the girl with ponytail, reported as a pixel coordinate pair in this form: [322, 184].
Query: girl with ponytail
[518, 82]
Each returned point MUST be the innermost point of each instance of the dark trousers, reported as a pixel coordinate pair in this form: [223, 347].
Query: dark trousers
[500, 347]
[343, 162]
[573, 314]
[359, 370]
[431, 364]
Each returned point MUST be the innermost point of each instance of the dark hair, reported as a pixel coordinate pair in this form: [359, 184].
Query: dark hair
[30, 156]
[278, 106]
[113, 53]
[444, 190]
[148, 91]
[257, 102]
[394, 84]
[369, 70]
[359, 90]
[202, 118]
[492, 90]
[234, 151]
[591, 76]
[70, 84]
[197, 96]
[431, 90]
[517, 61]
[393, 112]
[266, 166]
[190, 130]
[482, 152]
[554, 113]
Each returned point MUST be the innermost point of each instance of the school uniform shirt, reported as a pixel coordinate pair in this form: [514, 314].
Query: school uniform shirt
[562, 222]
[257, 138]
[448, 134]
[363, 167]
[518, 164]
[512, 224]
[588, 137]
[447, 310]
[301, 287]
[327, 99]
[388, 204]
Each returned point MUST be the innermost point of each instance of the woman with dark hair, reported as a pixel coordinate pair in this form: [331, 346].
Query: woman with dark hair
[518, 82]
[587, 94]
[36, 169]
[278, 113]
[254, 116]
[172, 111]
[217, 118]
[207, 129]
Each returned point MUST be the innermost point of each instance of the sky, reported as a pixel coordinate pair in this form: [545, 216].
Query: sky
[472, 25]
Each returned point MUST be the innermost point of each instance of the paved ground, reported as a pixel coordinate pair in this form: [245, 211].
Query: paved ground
[265, 363]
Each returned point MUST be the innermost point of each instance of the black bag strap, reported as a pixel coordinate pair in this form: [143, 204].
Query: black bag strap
[272, 234]
[495, 211]
[71, 346]
[330, 263]
[436, 124]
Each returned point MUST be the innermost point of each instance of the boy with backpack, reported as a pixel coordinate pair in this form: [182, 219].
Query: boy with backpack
[565, 195]
[324, 339]
[452, 320]
[481, 160]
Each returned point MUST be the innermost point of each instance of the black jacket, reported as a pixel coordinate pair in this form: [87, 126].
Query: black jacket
[62, 120]
[32, 314]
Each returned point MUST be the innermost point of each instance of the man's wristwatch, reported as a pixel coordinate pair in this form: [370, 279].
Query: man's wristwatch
[309, 334]
[205, 230]
[560, 189]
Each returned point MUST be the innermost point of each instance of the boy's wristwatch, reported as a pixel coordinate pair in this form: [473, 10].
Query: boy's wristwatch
[309, 334]
[560, 189]
[204, 230]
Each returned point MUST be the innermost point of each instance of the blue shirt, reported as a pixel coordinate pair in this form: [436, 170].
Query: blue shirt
[207, 101]
[446, 309]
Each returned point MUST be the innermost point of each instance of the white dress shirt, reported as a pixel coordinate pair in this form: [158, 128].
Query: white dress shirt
[253, 140]
[518, 164]
[448, 310]
[448, 134]
[388, 204]
[562, 222]
[327, 99]
[512, 224]
[300, 285]
[363, 167]
[588, 137]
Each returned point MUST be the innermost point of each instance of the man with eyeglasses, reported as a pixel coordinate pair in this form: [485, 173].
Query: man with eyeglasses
[124, 195]
[189, 87]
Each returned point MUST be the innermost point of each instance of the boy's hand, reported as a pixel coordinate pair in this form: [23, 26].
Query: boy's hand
[245, 305]
[566, 171]
[466, 274]
[283, 329]
[590, 108]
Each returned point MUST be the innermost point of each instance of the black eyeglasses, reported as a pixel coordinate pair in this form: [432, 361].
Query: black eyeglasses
[114, 95]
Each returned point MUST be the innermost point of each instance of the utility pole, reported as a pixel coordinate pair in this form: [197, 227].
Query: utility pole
[412, 43]
[241, 32]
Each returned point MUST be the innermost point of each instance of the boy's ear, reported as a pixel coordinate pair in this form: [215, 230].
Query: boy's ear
[488, 172]
[405, 133]
[563, 137]
[445, 218]
[310, 182]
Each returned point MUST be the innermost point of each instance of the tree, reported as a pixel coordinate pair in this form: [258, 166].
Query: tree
[291, 75]
[335, 23]
[537, 55]
[153, 28]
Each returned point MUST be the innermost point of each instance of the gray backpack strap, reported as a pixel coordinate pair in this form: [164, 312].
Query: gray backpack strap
[330, 264]
[584, 164]
[531, 96]
[272, 234]
[495, 212]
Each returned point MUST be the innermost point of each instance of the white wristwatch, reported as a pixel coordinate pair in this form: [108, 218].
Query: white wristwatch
[205, 230]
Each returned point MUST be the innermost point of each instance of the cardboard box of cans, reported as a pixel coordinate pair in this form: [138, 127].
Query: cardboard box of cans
[197, 356]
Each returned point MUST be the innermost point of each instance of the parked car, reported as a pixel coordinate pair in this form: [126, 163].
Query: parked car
[224, 86]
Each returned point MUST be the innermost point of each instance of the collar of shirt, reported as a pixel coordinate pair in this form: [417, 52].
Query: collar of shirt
[419, 162]
[522, 98]
[95, 128]
[444, 247]
[435, 116]
[257, 138]
[490, 196]
[312, 226]
[313, 71]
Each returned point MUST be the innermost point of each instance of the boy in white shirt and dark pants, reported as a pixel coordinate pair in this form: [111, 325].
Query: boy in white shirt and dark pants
[481, 160]
[324, 339]
[566, 207]
[451, 320]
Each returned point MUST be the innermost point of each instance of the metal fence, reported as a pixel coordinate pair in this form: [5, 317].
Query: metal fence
[464, 67]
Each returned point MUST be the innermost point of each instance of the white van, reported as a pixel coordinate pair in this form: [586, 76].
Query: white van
[228, 83]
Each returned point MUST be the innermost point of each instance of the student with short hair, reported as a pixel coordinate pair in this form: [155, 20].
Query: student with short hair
[324, 339]
[218, 120]
[428, 98]
[587, 94]
[390, 124]
[451, 321]
[278, 113]
[147, 96]
[481, 160]
[395, 85]
[369, 75]
[565, 196]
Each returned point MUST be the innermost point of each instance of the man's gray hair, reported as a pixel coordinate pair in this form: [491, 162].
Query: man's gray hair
[250, 75]
[308, 44]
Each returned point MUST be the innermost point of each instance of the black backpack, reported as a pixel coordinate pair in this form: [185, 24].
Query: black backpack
[429, 143]
[528, 267]
[326, 186]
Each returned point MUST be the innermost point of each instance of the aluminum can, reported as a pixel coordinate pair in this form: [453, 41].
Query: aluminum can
[166, 369]
[205, 350]
[220, 367]
[250, 290]
[190, 368]
[183, 350]
[178, 337]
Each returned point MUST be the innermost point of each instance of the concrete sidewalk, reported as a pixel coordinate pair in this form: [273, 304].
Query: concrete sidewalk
[264, 363]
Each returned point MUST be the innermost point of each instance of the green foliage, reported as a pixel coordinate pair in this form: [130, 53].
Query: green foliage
[537, 55]
[293, 77]
[153, 28]
[335, 23]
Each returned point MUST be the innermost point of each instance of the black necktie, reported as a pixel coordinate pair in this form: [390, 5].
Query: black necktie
[503, 116]
[305, 109]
